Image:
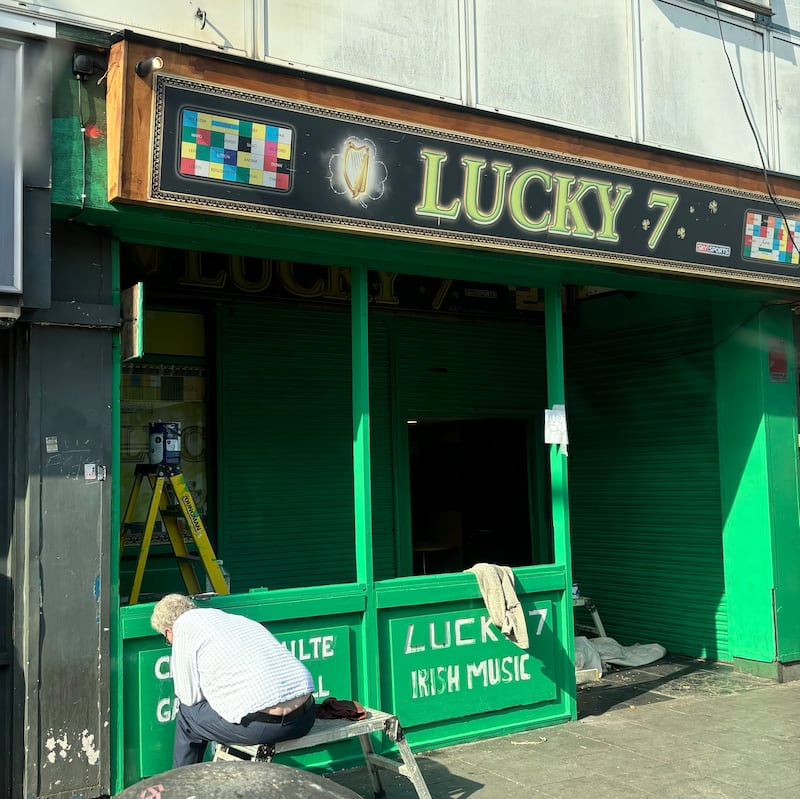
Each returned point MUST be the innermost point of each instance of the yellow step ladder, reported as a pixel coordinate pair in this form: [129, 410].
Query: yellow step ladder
[171, 497]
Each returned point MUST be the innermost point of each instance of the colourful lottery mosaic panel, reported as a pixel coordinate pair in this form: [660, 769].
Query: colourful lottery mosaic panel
[235, 150]
[767, 239]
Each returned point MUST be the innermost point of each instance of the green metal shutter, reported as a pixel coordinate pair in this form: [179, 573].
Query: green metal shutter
[286, 495]
[473, 369]
[467, 369]
[286, 447]
[383, 509]
[644, 485]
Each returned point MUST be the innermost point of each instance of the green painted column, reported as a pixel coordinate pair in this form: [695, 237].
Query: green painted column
[757, 422]
[369, 688]
[361, 439]
[560, 494]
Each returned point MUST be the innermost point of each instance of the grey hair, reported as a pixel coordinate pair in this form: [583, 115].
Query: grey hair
[168, 609]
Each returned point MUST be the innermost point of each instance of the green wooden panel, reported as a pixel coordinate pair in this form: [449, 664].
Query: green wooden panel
[409, 591]
[151, 706]
[456, 663]
[644, 481]
[267, 607]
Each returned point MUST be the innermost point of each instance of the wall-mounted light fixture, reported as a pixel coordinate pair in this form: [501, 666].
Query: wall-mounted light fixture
[149, 66]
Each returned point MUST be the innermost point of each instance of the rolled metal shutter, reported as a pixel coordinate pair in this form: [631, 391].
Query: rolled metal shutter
[472, 369]
[644, 485]
[286, 447]
[384, 543]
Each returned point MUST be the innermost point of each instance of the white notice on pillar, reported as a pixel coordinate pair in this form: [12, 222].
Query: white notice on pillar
[555, 427]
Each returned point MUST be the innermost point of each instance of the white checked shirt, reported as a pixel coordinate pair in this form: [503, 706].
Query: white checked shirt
[234, 663]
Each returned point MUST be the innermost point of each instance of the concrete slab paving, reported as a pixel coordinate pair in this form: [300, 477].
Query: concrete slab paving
[677, 729]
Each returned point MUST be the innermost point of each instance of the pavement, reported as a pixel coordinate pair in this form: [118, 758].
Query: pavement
[680, 728]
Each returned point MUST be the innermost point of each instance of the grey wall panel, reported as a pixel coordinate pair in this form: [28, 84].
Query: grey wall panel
[7, 654]
[82, 270]
[62, 426]
[11, 166]
[689, 97]
[566, 62]
[70, 435]
[36, 147]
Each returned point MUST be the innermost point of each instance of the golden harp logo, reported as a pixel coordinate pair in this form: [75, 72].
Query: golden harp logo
[356, 171]
[356, 168]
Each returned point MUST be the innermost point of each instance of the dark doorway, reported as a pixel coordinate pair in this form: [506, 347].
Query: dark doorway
[470, 493]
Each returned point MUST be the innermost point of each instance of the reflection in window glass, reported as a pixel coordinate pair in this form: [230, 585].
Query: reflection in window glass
[161, 393]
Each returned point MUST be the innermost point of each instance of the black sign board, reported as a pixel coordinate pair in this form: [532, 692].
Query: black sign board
[224, 150]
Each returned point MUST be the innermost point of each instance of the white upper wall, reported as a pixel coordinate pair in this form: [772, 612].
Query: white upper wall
[690, 90]
[570, 60]
[222, 25]
[666, 73]
[415, 44]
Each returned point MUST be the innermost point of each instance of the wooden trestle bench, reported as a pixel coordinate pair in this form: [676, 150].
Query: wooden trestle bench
[327, 731]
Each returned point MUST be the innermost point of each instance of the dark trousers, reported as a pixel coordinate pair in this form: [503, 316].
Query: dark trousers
[196, 725]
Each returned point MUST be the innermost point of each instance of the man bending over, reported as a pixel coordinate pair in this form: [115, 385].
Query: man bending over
[236, 683]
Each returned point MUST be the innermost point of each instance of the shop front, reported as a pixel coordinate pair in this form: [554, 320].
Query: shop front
[368, 316]
[279, 477]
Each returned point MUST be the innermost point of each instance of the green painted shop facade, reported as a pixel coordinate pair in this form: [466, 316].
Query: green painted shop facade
[363, 415]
